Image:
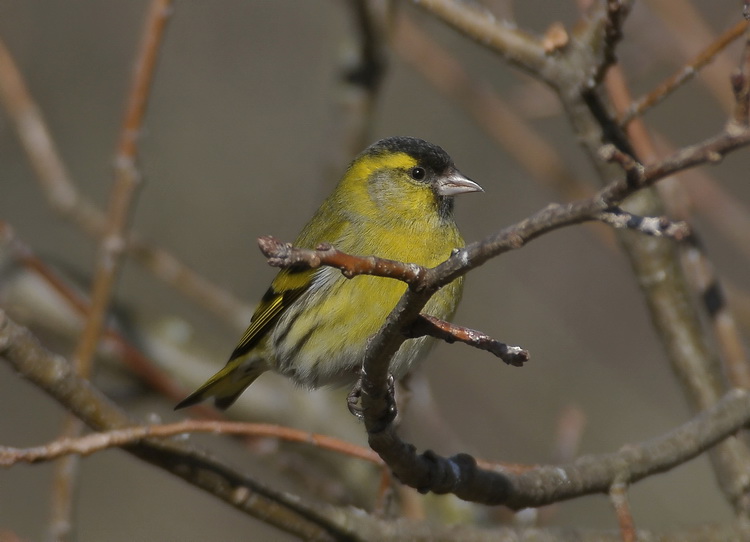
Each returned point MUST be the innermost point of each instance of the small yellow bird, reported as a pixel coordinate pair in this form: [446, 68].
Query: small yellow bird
[395, 201]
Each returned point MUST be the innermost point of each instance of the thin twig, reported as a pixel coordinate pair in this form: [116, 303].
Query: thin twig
[127, 180]
[96, 442]
[440, 329]
[618, 496]
[681, 76]
[690, 32]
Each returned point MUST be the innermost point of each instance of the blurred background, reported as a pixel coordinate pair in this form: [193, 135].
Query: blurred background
[237, 144]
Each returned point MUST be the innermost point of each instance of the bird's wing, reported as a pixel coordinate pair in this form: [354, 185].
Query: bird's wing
[286, 288]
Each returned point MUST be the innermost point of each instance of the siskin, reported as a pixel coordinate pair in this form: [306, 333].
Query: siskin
[395, 201]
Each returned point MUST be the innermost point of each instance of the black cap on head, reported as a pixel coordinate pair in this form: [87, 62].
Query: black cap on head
[426, 153]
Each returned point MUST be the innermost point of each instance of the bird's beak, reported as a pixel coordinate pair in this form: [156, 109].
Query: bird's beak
[455, 183]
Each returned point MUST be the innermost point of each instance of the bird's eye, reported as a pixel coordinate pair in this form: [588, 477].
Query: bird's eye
[418, 173]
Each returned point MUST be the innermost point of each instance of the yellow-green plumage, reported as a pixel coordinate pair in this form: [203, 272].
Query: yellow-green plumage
[395, 202]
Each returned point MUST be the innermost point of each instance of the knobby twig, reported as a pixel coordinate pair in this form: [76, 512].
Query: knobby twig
[282, 254]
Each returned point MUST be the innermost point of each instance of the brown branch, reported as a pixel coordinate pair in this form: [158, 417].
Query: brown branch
[690, 31]
[96, 442]
[282, 254]
[683, 75]
[618, 496]
[440, 329]
[587, 475]
[516, 46]
[127, 179]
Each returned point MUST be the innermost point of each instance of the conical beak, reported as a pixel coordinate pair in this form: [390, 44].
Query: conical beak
[454, 183]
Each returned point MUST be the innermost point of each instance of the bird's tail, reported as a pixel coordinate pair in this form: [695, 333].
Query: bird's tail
[225, 386]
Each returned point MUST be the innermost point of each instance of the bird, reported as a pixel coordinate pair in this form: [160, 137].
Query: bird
[394, 201]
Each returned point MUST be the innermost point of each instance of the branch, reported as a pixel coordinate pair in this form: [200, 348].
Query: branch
[588, 475]
[96, 442]
[658, 226]
[282, 254]
[127, 179]
[683, 75]
[440, 329]
[505, 38]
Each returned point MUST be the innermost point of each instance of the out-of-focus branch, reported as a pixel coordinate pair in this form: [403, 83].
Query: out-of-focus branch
[505, 38]
[127, 180]
[63, 197]
[618, 496]
[96, 442]
[362, 67]
[690, 31]
[676, 319]
[498, 119]
[683, 75]
[138, 363]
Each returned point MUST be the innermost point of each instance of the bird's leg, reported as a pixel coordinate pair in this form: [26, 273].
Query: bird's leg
[354, 399]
